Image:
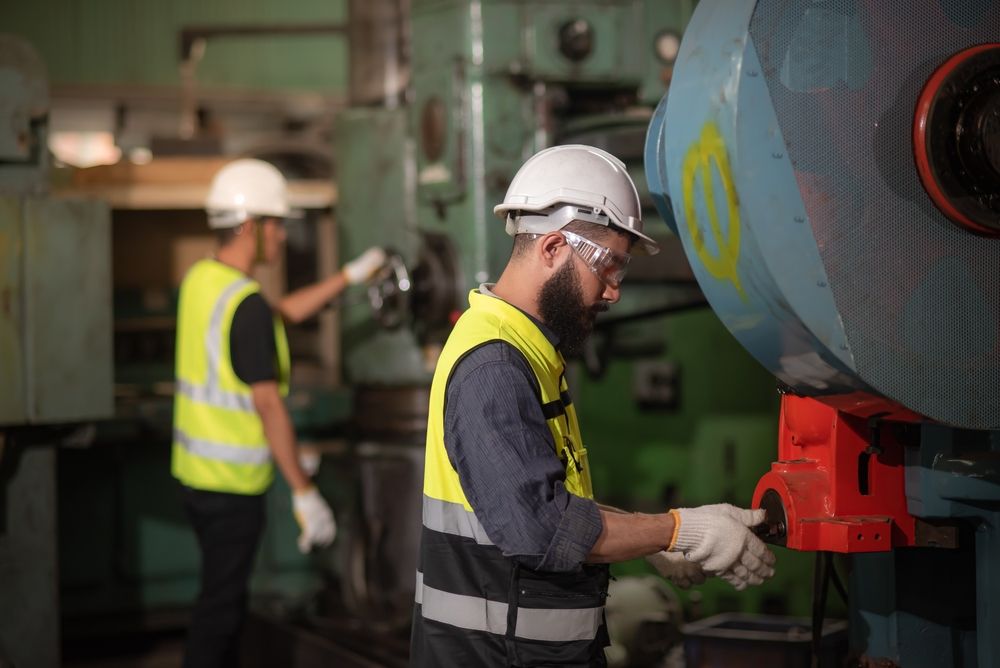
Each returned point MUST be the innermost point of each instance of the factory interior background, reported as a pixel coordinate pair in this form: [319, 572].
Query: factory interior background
[400, 123]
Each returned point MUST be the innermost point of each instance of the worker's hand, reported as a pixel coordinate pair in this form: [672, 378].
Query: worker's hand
[718, 538]
[315, 519]
[361, 268]
[675, 567]
[309, 459]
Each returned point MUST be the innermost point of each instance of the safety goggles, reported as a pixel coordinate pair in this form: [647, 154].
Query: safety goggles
[609, 265]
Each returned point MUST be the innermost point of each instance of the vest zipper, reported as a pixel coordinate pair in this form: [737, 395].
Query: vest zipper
[550, 594]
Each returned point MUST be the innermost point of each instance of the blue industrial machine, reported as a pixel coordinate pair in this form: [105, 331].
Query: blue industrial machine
[832, 170]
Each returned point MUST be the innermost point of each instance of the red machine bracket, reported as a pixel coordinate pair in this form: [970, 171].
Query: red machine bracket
[838, 484]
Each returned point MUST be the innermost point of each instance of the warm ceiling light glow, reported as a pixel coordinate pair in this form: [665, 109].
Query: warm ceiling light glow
[85, 149]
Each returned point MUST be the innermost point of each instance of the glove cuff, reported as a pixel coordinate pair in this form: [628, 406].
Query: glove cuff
[350, 273]
[692, 527]
[303, 496]
[677, 527]
[305, 491]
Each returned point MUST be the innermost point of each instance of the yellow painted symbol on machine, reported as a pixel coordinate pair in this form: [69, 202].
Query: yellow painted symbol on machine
[706, 152]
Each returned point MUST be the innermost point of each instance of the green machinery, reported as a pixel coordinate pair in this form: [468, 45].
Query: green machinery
[55, 352]
[675, 412]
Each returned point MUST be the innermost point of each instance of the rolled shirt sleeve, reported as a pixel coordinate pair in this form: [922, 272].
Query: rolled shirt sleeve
[497, 439]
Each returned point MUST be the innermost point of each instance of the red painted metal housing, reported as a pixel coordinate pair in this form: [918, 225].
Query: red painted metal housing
[827, 505]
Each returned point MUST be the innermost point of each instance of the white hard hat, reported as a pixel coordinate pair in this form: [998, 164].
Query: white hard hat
[246, 188]
[573, 182]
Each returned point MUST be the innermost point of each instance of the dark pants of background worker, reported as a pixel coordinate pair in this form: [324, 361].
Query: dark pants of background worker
[228, 527]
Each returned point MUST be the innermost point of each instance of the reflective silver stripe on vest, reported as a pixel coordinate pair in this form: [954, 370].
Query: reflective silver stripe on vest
[213, 396]
[558, 625]
[213, 337]
[223, 452]
[210, 393]
[454, 519]
[480, 614]
[466, 612]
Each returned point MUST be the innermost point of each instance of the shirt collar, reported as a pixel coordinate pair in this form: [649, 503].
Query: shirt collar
[487, 289]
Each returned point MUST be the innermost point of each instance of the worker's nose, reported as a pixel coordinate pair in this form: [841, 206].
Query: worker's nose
[611, 294]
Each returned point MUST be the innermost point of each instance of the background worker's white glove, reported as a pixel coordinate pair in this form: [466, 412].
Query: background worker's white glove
[675, 567]
[361, 268]
[309, 459]
[315, 519]
[718, 538]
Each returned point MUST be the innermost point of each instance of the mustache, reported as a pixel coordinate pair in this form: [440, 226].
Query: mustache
[600, 307]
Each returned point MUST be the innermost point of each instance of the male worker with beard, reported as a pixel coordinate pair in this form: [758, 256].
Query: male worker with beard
[514, 549]
[230, 419]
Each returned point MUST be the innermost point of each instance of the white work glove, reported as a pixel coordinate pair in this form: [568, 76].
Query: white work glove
[718, 538]
[309, 459]
[315, 519]
[675, 567]
[361, 268]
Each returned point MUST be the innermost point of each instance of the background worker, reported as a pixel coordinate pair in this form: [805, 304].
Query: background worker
[230, 421]
[513, 547]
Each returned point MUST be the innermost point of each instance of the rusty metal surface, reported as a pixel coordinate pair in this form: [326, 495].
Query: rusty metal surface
[67, 310]
[931, 534]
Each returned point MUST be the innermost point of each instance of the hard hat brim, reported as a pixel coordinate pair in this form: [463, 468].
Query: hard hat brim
[555, 218]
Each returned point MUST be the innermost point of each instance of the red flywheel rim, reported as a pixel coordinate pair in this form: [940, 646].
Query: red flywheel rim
[920, 139]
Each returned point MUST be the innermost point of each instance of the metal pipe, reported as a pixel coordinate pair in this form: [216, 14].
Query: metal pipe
[379, 47]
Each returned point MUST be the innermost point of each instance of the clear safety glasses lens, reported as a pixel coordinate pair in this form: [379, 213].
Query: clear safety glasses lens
[609, 266]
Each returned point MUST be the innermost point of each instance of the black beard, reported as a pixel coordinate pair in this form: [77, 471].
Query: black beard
[560, 303]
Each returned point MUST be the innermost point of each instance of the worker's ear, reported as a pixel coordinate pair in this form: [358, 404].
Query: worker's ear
[550, 248]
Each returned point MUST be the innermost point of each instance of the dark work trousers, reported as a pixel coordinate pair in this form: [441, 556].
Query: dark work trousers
[228, 527]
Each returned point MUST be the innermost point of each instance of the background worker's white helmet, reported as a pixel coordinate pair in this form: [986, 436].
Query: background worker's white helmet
[573, 182]
[243, 189]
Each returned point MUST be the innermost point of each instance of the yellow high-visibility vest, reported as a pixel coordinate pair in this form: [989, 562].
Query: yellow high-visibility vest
[219, 443]
[473, 605]
[492, 319]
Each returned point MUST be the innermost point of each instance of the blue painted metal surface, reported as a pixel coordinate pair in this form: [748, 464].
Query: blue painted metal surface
[931, 607]
[715, 153]
[956, 474]
[782, 158]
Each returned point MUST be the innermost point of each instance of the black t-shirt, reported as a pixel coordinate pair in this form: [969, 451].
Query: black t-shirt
[252, 348]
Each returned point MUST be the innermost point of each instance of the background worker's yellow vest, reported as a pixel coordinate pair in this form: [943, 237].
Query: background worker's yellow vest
[219, 443]
[492, 319]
